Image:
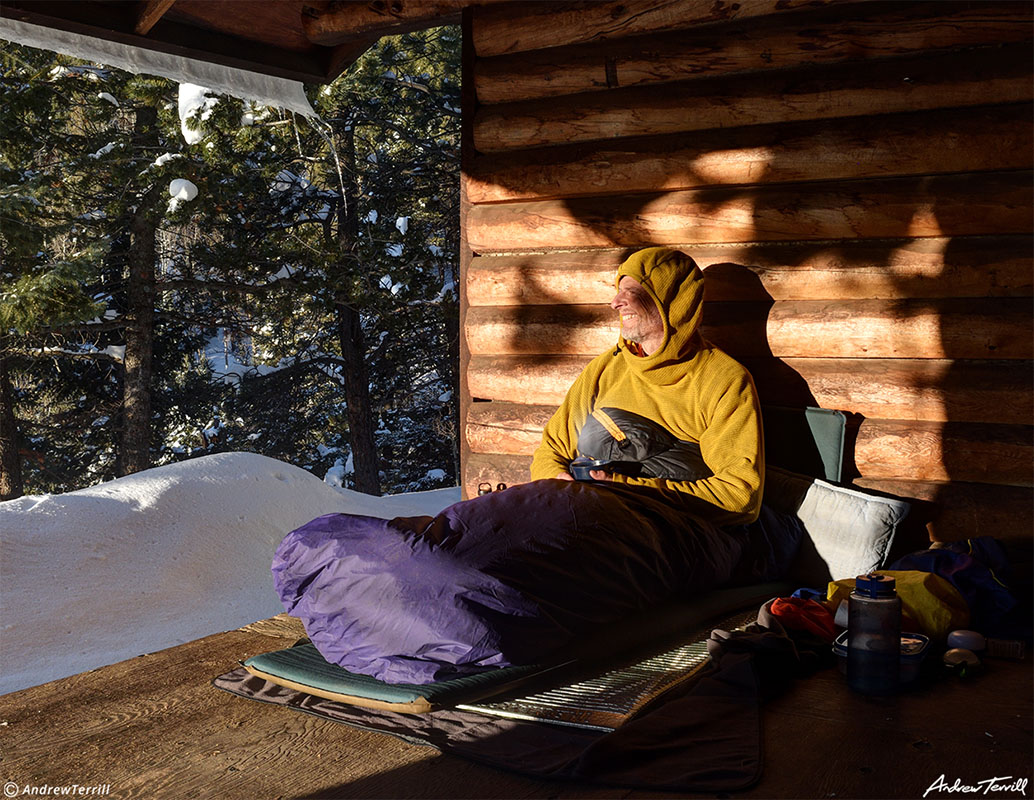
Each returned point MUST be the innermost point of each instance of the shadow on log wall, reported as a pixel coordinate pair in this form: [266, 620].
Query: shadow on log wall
[862, 211]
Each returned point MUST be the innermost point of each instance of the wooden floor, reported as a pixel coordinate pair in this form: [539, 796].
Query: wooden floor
[154, 727]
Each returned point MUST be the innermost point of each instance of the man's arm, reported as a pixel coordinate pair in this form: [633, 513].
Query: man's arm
[560, 436]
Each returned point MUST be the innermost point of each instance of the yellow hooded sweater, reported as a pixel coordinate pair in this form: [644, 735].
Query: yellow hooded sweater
[689, 386]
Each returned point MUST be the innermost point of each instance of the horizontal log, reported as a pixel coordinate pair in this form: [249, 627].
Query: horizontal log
[340, 23]
[962, 510]
[504, 330]
[872, 32]
[900, 85]
[914, 450]
[500, 427]
[494, 469]
[945, 451]
[849, 270]
[947, 205]
[953, 329]
[907, 389]
[931, 142]
[516, 27]
[534, 379]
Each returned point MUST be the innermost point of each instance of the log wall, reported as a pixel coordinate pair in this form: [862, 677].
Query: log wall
[853, 177]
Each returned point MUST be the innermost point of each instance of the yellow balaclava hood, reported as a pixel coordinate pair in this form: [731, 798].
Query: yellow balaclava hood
[676, 285]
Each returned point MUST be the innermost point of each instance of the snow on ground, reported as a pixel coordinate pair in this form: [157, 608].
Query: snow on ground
[155, 559]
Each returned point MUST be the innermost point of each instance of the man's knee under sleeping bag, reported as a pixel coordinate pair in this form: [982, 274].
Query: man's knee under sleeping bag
[507, 578]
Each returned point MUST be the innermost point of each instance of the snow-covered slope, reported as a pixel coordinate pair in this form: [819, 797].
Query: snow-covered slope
[155, 559]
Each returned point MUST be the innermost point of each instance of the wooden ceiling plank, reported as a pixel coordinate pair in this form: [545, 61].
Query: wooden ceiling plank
[149, 13]
[331, 24]
[276, 24]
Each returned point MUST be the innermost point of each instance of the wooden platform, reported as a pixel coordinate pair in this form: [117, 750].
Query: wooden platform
[154, 727]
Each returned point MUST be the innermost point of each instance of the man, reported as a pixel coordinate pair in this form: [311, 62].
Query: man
[664, 370]
[514, 577]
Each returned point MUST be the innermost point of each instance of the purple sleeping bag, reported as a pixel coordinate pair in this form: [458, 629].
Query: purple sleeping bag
[502, 579]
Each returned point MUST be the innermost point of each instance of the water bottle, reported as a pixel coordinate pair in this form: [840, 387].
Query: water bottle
[874, 635]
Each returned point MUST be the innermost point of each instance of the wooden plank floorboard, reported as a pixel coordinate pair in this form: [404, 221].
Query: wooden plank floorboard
[154, 727]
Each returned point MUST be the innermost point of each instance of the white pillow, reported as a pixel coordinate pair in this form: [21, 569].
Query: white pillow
[851, 531]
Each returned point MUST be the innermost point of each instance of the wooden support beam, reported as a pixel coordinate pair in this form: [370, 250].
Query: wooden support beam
[883, 449]
[148, 14]
[989, 77]
[927, 143]
[933, 390]
[996, 328]
[869, 32]
[978, 266]
[949, 205]
[335, 23]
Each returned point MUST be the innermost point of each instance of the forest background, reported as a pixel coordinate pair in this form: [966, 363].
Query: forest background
[185, 273]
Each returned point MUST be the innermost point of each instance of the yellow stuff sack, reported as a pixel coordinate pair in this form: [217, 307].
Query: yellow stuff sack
[929, 604]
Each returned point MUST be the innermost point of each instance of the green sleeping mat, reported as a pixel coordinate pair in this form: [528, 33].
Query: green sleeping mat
[303, 669]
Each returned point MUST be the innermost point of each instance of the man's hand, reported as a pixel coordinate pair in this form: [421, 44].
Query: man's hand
[565, 476]
[600, 475]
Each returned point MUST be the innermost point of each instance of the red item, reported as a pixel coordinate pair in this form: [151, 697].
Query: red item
[804, 615]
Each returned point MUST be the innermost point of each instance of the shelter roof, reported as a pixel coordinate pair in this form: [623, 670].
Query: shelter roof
[312, 41]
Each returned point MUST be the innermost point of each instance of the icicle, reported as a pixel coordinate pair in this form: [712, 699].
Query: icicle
[316, 126]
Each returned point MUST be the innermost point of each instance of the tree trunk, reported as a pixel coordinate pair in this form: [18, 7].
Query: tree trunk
[350, 332]
[135, 450]
[11, 485]
[357, 398]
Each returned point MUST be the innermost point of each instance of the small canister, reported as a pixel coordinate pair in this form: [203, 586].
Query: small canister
[874, 635]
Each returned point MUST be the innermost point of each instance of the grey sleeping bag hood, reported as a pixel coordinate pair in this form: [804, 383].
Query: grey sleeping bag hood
[636, 446]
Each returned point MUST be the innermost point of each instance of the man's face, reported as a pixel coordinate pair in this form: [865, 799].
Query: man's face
[640, 320]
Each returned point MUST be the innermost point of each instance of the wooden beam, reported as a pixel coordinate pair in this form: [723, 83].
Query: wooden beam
[977, 266]
[977, 328]
[926, 143]
[985, 77]
[517, 27]
[951, 205]
[511, 428]
[869, 31]
[944, 451]
[935, 390]
[148, 13]
[953, 329]
[335, 23]
[914, 450]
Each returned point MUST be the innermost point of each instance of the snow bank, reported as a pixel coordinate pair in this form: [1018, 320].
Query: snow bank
[155, 559]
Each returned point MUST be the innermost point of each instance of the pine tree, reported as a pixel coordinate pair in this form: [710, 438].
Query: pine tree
[323, 276]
